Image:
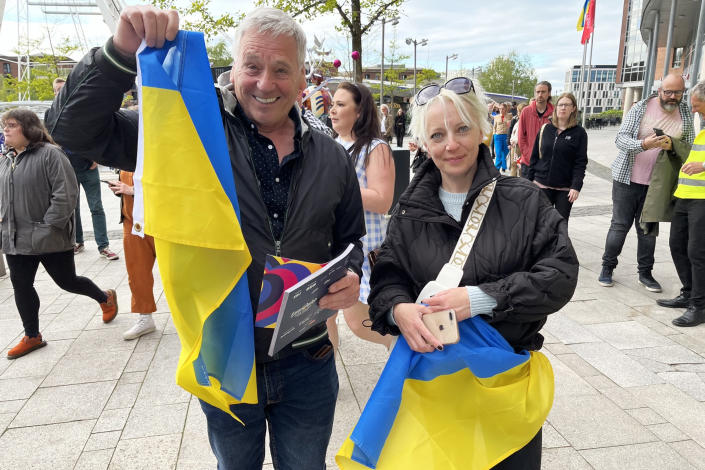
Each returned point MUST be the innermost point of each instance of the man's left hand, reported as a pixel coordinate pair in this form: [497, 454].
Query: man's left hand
[666, 143]
[342, 293]
[118, 187]
[692, 168]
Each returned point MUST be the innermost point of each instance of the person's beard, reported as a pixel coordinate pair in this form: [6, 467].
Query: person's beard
[669, 105]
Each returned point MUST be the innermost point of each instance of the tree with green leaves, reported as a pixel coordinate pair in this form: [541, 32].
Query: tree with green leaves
[219, 54]
[509, 74]
[356, 16]
[391, 74]
[196, 16]
[44, 68]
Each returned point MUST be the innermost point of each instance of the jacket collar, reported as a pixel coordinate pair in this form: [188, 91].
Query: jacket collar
[549, 108]
[422, 191]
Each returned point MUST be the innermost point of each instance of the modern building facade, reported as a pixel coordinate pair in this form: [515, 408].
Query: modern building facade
[601, 94]
[659, 37]
[631, 61]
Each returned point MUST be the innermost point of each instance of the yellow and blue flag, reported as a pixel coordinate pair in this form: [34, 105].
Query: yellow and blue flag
[185, 191]
[586, 20]
[469, 406]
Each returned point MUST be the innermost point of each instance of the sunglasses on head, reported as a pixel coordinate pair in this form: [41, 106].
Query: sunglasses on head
[458, 85]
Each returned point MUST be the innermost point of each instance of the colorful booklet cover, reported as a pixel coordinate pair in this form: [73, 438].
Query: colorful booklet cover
[290, 293]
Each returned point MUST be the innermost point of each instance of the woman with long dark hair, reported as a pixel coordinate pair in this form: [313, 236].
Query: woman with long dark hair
[355, 120]
[39, 194]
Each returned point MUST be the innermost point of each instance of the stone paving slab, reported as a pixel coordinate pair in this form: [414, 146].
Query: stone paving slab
[630, 387]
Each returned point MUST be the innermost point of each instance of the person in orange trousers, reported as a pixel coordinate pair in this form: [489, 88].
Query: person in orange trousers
[139, 261]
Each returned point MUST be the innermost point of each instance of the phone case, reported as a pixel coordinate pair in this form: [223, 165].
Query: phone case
[443, 325]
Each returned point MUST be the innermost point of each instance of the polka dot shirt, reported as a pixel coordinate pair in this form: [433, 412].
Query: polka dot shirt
[274, 178]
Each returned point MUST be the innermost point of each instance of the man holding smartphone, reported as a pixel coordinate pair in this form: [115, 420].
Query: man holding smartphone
[634, 169]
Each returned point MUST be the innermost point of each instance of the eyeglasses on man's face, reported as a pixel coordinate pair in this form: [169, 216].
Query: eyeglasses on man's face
[9, 125]
[676, 93]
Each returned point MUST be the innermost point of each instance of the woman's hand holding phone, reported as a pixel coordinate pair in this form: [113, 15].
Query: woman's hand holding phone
[408, 318]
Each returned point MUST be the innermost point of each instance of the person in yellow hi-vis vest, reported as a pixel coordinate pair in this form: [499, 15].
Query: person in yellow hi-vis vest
[688, 226]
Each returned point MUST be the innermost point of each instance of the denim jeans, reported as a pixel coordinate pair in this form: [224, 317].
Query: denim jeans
[687, 250]
[627, 203]
[501, 150]
[90, 180]
[296, 400]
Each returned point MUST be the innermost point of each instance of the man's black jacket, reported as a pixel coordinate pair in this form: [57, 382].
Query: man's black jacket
[324, 212]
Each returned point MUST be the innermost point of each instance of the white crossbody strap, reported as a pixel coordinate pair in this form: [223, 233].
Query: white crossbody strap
[452, 271]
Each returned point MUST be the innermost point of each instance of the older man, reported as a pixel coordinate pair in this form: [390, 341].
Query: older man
[650, 127]
[299, 198]
[688, 228]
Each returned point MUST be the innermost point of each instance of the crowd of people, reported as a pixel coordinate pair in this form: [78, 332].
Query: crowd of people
[532, 158]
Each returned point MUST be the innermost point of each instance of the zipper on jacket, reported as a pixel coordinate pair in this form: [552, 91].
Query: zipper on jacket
[553, 149]
[292, 188]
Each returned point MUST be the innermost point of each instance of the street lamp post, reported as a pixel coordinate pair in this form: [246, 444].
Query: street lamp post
[410, 41]
[451, 57]
[395, 21]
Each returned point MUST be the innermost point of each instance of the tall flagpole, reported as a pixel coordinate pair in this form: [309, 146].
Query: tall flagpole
[581, 98]
[592, 41]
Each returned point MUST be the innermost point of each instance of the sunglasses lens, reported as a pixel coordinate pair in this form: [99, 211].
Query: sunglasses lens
[459, 85]
[426, 93]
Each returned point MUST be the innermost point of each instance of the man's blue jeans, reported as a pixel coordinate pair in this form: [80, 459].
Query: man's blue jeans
[296, 398]
[627, 202]
[90, 180]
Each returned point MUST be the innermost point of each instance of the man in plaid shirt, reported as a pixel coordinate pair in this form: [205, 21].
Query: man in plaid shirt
[639, 145]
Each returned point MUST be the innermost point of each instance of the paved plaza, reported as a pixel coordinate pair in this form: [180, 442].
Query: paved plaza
[630, 387]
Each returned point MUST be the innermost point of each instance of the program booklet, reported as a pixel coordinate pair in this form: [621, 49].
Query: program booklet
[290, 293]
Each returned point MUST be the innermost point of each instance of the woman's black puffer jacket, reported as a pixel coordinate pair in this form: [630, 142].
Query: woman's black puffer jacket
[522, 256]
[562, 159]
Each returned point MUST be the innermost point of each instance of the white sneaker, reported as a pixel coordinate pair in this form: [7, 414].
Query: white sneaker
[144, 325]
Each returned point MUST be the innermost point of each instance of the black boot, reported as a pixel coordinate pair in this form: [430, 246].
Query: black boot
[692, 317]
[681, 301]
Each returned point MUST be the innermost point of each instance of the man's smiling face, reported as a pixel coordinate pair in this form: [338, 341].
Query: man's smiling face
[267, 78]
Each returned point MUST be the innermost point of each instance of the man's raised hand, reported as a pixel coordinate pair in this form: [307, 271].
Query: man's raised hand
[144, 22]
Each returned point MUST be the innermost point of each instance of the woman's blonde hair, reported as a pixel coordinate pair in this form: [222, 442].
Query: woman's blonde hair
[573, 118]
[471, 108]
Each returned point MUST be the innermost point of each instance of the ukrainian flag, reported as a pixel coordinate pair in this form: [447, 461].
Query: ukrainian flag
[469, 406]
[583, 15]
[185, 187]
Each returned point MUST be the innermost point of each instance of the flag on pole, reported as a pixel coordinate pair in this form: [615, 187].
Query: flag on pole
[469, 406]
[185, 198]
[586, 21]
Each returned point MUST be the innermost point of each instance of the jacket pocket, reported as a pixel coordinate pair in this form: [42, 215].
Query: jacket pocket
[47, 239]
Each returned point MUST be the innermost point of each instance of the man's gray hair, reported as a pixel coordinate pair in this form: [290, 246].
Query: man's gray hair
[699, 91]
[274, 22]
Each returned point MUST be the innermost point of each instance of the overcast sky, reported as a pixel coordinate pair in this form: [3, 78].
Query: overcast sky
[475, 30]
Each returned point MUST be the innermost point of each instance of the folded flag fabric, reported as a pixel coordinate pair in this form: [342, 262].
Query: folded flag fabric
[469, 406]
[185, 198]
[279, 274]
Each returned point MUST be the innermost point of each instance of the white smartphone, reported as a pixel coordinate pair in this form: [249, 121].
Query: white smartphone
[443, 325]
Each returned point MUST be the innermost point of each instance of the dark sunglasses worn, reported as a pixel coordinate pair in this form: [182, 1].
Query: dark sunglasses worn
[458, 85]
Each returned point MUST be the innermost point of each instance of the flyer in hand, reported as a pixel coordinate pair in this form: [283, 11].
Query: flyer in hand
[298, 303]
